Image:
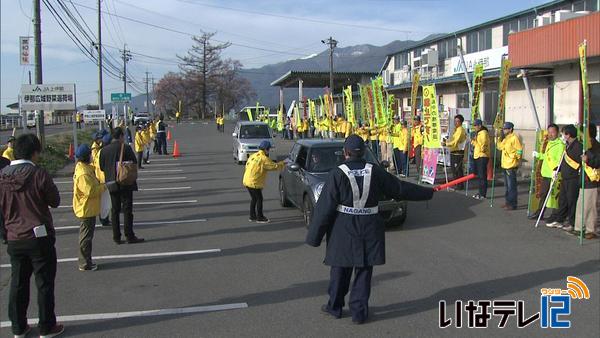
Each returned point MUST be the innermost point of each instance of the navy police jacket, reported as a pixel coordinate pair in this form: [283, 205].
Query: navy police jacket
[357, 240]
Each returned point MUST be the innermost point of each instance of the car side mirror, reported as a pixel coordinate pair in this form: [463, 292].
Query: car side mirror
[294, 167]
[234, 134]
[385, 164]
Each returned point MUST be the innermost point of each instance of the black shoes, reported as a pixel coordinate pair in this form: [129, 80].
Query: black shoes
[262, 220]
[134, 240]
[325, 311]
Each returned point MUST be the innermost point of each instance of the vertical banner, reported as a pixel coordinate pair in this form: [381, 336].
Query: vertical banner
[280, 119]
[477, 83]
[503, 86]
[25, 50]
[430, 157]
[377, 85]
[363, 103]
[431, 118]
[349, 108]
[249, 113]
[391, 103]
[413, 97]
[586, 95]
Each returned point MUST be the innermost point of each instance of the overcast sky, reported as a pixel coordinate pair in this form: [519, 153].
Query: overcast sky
[262, 31]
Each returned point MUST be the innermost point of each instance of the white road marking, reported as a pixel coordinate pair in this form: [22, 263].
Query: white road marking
[163, 164]
[145, 255]
[149, 203]
[142, 189]
[160, 171]
[144, 313]
[162, 159]
[139, 179]
[185, 221]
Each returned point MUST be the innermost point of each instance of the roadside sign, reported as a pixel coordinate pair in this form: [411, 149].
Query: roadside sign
[120, 97]
[48, 97]
[25, 51]
[94, 115]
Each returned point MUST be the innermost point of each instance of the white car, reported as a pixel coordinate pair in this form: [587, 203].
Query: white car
[141, 118]
[247, 136]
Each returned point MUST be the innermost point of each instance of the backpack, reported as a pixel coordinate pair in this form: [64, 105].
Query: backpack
[126, 171]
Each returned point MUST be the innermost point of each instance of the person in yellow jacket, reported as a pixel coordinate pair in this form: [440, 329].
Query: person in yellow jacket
[178, 116]
[481, 154]
[363, 132]
[384, 141]
[456, 147]
[147, 143]
[373, 137]
[100, 139]
[512, 151]
[348, 129]
[9, 152]
[139, 145]
[416, 134]
[255, 174]
[400, 138]
[78, 120]
[87, 192]
[305, 127]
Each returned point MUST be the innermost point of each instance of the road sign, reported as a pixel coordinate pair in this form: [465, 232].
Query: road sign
[94, 115]
[120, 97]
[48, 97]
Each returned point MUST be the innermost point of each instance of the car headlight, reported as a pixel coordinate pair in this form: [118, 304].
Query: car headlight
[317, 190]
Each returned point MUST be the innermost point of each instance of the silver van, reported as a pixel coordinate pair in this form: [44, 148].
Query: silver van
[247, 136]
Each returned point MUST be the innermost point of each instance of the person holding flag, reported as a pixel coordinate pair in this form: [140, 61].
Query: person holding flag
[481, 154]
[456, 146]
[589, 194]
[550, 160]
[512, 151]
[417, 141]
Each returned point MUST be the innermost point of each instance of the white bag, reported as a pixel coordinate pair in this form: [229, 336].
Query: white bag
[105, 204]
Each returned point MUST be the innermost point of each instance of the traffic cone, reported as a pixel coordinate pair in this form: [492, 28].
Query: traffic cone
[169, 135]
[71, 152]
[176, 150]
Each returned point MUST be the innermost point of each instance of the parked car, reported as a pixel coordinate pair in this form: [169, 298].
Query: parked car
[140, 118]
[247, 136]
[307, 167]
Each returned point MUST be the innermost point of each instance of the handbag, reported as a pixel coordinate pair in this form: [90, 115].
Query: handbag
[126, 171]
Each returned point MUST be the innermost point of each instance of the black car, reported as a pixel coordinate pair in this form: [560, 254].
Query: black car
[307, 166]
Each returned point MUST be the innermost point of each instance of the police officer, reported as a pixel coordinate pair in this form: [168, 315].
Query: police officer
[161, 135]
[347, 212]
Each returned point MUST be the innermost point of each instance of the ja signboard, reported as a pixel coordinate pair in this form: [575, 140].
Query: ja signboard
[94, 115]
[120, 97]
[48, 97]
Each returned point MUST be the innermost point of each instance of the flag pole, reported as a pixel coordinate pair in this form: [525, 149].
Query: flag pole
[586, 132]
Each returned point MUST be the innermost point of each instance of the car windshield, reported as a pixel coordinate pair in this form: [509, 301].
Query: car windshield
[254, 131]
[324, 159]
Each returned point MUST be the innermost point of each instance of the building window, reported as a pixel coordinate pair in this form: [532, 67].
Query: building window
[452, 48]
[595, 103]
[479, 41]
[578, 6]
[447, 49]
[417, 52]
[400, 60]
[591, 5]
[462, 100]
[490, 106]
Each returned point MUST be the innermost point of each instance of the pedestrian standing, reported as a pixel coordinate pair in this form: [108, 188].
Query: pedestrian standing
[26, 194]
[347, 212]
[481, 154]
[97, 146]
[255, 174]
[9, 152]
[147, 142]
[588, 196]
[121, 196]
[161, 136]
[550, 160]
[139, 146]
[87, 191]
[78, 120]
[3, 163]
[456, 146]
[178, 116]
[417, 137]
[512, 151]
[564, 216]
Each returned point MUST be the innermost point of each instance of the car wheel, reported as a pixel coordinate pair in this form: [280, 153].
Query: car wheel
[307, 210]
[283, 195]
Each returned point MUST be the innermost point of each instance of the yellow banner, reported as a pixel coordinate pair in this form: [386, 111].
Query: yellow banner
[586, 95]
[431, 118]
[349, 105]
[413, 97]
[249, 113]
[477, 84]
[503, 86]
[378, 101]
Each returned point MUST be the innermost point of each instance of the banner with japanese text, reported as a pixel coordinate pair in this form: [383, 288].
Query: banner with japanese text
[585, 94]
[378, 101]
[477, 85]
[503, 86]
[349, 108]
[413, 97]
[431, 118]
[430, 157]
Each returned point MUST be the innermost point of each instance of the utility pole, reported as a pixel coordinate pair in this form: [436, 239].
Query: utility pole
[147, 93]
[332, 44]
[37, 27]
[204, 43]
[99, 46]
[126, 57]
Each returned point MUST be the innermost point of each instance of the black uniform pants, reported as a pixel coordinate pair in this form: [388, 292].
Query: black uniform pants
[122, 201]
[37, 256]
[567, 201]
[456, 161]
[481, 172]
[339, 284]
[544, 188]
[256, 203]
[140, 158]
[162, 143]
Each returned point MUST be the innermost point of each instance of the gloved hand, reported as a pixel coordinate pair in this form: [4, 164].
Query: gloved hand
[535, 154]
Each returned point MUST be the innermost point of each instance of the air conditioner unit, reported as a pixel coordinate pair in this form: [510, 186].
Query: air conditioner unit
[406, 68]
[543, 20]
[429, 58]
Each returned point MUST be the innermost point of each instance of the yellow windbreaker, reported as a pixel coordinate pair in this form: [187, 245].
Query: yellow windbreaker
[512, 151]
[363, 133]
[257, 166]
[9, 154]
[87, 191]
[417, 135]
[458, 137]
[139, 142]
[481, 144]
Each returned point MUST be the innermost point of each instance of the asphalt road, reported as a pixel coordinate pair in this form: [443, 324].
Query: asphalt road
[266, 282]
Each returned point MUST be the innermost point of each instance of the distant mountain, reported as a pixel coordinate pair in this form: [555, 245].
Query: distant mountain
[365, 58]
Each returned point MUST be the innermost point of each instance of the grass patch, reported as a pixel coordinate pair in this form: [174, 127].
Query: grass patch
[55, 155]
